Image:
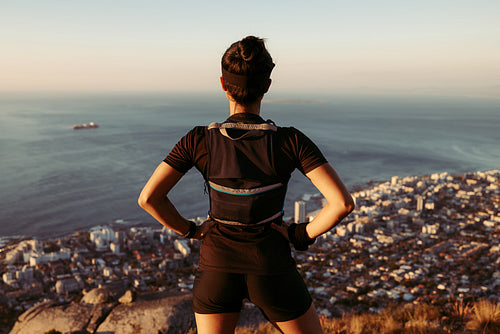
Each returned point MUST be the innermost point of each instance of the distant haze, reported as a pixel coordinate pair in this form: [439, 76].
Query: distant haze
[371, 47]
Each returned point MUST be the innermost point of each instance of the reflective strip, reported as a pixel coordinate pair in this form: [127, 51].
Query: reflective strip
[236, 223]
[243, 126]
[252, 191]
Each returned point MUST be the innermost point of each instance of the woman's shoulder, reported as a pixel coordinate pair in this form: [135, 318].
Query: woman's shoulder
[198, 128]
[290, 132]
[197, 131]
[194, 136]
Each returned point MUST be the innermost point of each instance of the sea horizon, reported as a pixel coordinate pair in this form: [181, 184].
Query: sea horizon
[55, 180]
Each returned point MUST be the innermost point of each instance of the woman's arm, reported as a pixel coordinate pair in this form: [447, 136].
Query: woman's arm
[154, 200]
[339, 202]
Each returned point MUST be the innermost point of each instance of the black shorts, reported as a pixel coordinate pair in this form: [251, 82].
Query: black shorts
[281, 297]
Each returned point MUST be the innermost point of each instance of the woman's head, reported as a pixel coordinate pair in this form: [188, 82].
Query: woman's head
[246, 68]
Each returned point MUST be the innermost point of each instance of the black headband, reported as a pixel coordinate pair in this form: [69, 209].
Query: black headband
[243, 81]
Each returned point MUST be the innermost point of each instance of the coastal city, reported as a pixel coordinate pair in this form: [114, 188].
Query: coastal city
[415, 239]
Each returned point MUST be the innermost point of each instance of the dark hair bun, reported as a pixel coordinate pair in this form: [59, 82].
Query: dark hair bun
[248, 58]
[250, 48]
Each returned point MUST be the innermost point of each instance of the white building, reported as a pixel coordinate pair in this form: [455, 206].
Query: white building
[107, 271]
[430, 228]
[420, 203]
[143, 232]
[181, 245]
[355, 227]
[115, 248]
[25, 274]
[9, 278]
[385, 239]
[300, 212]
[102, 236]
[23, 251]
[394, 180]
[37, 258]
[341, 230]
[13, 256]
[67, 285]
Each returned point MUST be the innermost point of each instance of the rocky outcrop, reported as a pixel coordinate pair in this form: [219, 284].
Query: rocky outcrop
[127, 298]
[156, 315]
[99, 296]
[112, 311]
[46, 316]
[100, 312]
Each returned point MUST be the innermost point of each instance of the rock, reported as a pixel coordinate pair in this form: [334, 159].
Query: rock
[151, 314]
[98, 315]
[32, 312]
[148, 313]
[46, 316]
[127, 298]
[96, 296]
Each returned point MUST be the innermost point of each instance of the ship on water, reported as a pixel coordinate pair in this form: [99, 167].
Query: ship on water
[90, 125]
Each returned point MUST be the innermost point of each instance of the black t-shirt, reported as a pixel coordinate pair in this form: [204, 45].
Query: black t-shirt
[257, 249]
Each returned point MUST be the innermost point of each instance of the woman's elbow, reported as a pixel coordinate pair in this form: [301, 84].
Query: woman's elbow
[144, 200]
[141, 201]
[350, 208]
[342, 208]
[349, 205]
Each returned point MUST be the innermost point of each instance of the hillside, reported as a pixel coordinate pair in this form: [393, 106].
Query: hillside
[101, 312]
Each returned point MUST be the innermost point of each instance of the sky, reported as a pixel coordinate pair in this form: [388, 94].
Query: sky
[437, 47]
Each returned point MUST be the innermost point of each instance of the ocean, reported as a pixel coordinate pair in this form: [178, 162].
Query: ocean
[55, 180]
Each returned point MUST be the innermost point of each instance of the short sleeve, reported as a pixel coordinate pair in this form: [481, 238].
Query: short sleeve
[304, 153]
[186, 153]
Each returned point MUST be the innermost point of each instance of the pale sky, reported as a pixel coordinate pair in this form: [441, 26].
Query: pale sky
[438, 47]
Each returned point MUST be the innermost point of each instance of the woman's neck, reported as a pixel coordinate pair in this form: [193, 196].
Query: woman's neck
[236, 108]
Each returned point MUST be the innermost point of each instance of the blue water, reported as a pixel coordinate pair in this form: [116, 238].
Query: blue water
[55, 180]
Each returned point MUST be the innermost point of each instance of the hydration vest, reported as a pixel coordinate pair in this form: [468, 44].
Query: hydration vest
[243, 184]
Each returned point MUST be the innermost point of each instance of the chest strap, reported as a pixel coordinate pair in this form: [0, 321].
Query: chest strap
[236, 223]
[242, 191]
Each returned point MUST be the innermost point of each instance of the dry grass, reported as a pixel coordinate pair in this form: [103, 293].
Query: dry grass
[389, 325]
[482, 317]
[335, 325]
[422, 319]
[485, 319]
[462, 309]
[265, 328]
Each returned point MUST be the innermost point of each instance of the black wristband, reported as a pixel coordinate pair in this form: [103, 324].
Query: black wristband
[298, 236]
[192, 230]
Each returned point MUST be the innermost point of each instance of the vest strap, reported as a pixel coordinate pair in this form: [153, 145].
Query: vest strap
[236, 223]
[243, 191]
[253, 130]
[243, 126]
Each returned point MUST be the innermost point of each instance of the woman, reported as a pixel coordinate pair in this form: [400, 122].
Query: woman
[246, 163]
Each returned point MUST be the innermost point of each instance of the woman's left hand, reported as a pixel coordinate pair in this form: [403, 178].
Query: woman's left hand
[203, 229]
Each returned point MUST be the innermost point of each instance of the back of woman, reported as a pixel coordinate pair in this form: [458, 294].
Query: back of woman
[246, 163]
